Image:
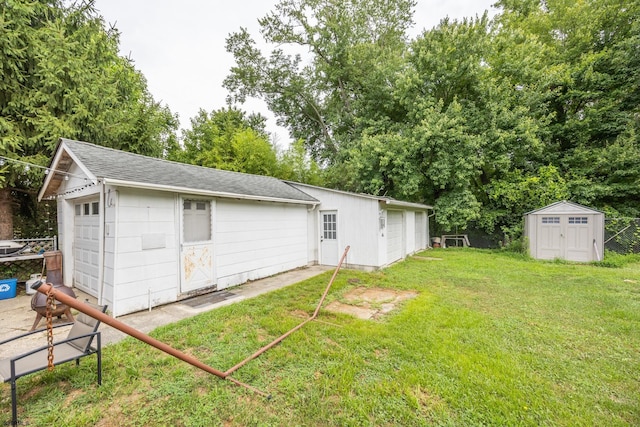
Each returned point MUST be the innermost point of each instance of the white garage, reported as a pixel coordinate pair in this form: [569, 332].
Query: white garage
[565, 230]
[137, 232]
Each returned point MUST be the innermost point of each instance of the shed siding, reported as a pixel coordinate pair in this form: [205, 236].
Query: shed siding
[256, 240]
[552, 232]
[358, 226]
[144, 277]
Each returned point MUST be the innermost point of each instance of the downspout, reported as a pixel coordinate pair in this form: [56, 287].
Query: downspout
[428, 222]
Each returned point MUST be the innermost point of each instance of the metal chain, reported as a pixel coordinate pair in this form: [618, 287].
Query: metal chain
[51, 305]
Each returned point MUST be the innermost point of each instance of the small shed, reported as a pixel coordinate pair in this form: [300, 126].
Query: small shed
[565, 230]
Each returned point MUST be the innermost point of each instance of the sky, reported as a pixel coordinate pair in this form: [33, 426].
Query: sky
[179, 45]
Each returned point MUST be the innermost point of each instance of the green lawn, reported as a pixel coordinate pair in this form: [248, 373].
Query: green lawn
[491, 339]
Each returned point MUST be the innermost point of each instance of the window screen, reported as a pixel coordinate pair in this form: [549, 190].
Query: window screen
[578, 220]
[551, 220]
[196, 220]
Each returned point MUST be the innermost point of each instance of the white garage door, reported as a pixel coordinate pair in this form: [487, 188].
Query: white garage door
[395, 233]
[421, 231]
[86, 245]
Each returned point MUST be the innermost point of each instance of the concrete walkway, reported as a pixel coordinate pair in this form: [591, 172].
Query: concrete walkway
[16, 316]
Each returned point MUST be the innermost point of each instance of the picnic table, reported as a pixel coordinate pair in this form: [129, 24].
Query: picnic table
[458, 238]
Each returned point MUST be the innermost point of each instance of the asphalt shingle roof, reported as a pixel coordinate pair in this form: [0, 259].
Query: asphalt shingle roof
[119, 165]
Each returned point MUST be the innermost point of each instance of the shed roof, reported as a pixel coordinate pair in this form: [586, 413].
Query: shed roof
[563, 207]
[127, 169]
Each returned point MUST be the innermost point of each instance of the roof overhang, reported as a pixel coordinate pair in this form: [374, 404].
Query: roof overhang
[196, 192]
[401, 204]
[59, 169]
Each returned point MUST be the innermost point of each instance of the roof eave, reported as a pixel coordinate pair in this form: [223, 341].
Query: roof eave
[200, 192]
[399, 203]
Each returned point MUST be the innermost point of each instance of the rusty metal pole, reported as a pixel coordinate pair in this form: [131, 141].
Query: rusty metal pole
[44, 288]
[96, 314]
[282, 337]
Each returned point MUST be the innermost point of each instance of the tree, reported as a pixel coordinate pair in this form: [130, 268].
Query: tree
[62, 76]
[352, 49]
[482, 119]
[296, 165]
[587, 75]
[228, 139]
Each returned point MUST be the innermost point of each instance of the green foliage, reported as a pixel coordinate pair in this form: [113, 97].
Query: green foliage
[227, 139]
[296, 165]
[485, 120]
[516, 194]
[353, 48]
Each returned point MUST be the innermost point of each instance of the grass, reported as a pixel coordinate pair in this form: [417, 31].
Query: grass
[492, 339]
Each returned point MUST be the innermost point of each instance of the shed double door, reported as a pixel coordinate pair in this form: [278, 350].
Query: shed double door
[565, 237]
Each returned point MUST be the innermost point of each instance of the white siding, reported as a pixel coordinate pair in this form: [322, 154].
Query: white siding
[410, 232]
[143, 277]
[258, 239]
[358, 226]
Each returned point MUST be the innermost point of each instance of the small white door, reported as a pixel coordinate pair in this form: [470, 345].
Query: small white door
[550, 237]
[329, 238]
[86, 246]
[579, 234]
[197, 246]
[395, 236]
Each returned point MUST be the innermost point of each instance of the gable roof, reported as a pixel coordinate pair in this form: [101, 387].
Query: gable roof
[563, 207]
[121, 168]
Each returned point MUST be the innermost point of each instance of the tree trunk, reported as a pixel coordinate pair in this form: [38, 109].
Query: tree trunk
[6, 214]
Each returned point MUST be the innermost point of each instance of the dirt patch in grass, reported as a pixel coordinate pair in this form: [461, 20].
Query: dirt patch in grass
[426, 258]
[370, 303]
